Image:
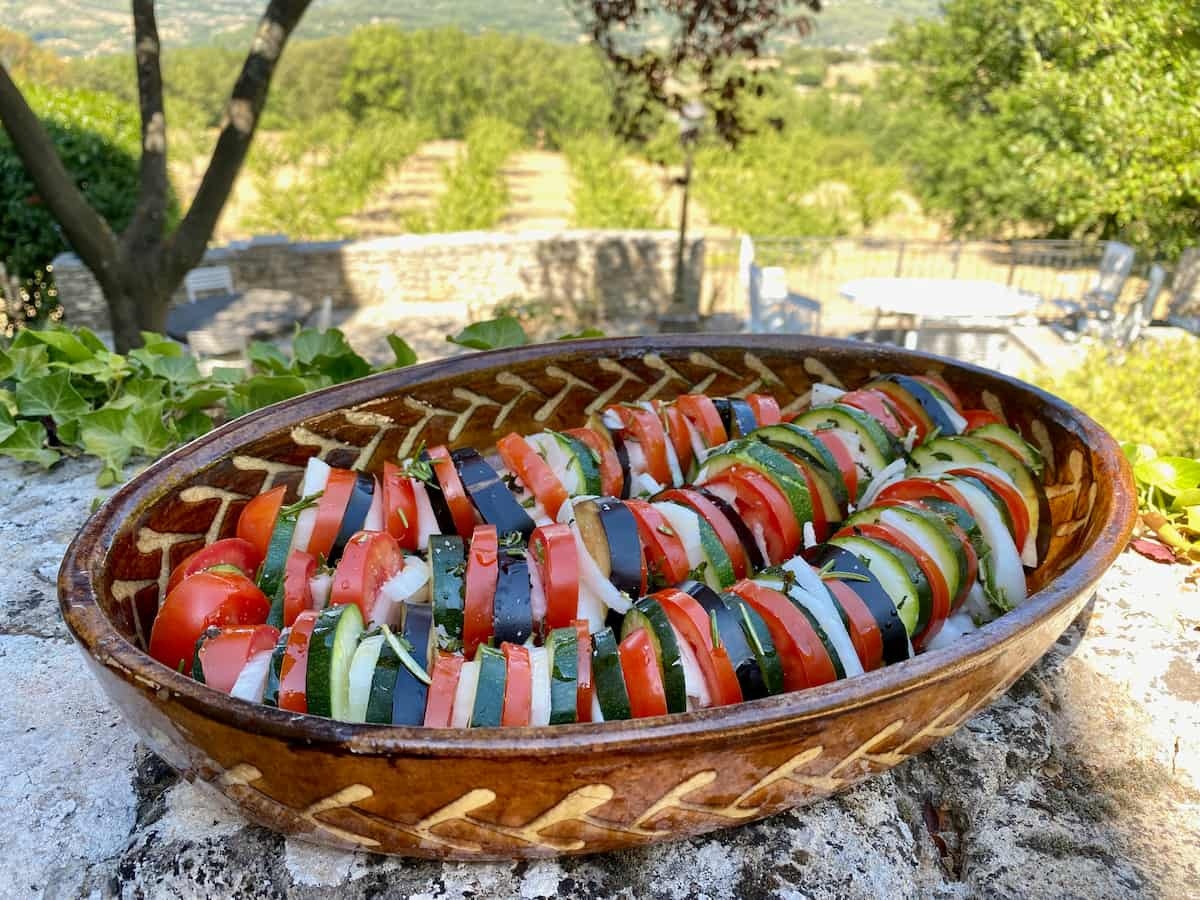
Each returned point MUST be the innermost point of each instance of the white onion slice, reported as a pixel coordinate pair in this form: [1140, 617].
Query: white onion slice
[426, 521]
[825, 394]
[539, 671]
[696, 687]
[889, 474]
[374, 517]
[321, 585]
[464, 695]
[316, 476]
[362, 672]
[252, 680]
[953, 628]
[686, 524]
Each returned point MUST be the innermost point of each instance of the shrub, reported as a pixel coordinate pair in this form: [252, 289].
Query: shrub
[1147, 396]
[605, 193]
[476, 194]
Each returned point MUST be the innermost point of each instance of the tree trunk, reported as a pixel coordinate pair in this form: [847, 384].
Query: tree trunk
[137, 300]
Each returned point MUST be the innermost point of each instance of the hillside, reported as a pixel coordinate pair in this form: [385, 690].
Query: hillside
[93, 27]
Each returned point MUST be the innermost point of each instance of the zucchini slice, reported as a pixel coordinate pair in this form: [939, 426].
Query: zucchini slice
[896, 645]
[870, 445]
[562, 648]
[409, 693]
[792, 437]
[900, 576]
[758, 636]
[489, 695]
[447, 568]
[271, 691]
[648, 613]
[610, 692]
[330, 652]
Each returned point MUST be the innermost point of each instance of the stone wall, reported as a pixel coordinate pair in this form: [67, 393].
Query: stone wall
[619, 275]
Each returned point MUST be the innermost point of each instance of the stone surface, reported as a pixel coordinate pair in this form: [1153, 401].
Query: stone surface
[1082, 781]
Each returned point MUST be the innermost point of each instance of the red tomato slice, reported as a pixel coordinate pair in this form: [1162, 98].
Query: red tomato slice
[461, 509]
[207, 598]
[257, 519]
[937, 382]
[369, 560]
[399, 506]
[702, 413]
[676, 427]
[687, 617]
[297, 591]
[765, 408]
[1012, 499]
[821, 517]
[877, 405]
[583, 671]
[907, 407]
[921, 488]
[330, 510]
[937, 579]
[237, 552]
[293, 671]
[977, 418]
[223, 657]
[710, 513]
[480, 589]
[662, 547]
[611, 477]
[518, 685]
[439, 705]
[643, 681]
[963, 540]
[645, 428]
[841, 455]
[763, 505]
[864, 630]
[539, 479]
[806, 662]
[552, 550]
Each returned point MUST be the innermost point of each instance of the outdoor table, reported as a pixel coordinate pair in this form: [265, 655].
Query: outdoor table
[953, 303]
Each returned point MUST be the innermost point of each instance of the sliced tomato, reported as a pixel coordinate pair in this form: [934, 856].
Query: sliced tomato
[518, 685]
[369, 560]
[293, 671]
[223, 657]
[331, 509]
[764, 507]
[937, 579]
[297, 586]
[841, 455]
[1012, 498]
[236, 552]
[702, 413]
[539, 479]
[480, 589]
[457, 500]
[687, 617]
[399, 506]
[765, 408]
[643, 680]
[921, 488]
[710, 513]
[663, 548]
[677, 432]
[644, 427]
[877, 405]
[907, 407]
[939, 383]
[805, 660]
[439, 705]
[864, 630]
[206, 598]
[611, 477]
[257, 519]
[977, 418]
[583, 671]
[821, 516]
[963, 540]
[553, 551]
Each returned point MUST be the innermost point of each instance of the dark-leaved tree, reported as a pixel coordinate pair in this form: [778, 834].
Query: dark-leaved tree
[139, 268]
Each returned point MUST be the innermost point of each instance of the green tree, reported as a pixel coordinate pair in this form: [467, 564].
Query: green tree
[605, 193]
[1078, 117]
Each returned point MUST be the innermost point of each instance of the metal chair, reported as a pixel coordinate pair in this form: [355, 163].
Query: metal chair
[1184, 309]
[1129, 328]
[1097, 307]
[208, 280]
[773, 308]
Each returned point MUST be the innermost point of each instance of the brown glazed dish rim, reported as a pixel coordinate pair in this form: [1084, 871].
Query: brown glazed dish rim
[83, 567]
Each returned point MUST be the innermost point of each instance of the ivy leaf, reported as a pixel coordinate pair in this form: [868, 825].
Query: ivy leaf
[180, 370]
[7, 425]
[263, 390]
[27, 442]
[327, 353]
[268, 358]
[138, 392]
[193, 425]
[88, 338]
[103, 366]
[103, 434]
[155, 344]
[228, 375]
[1137, 453]
[50, 395]
[147, 431]
[201, 397]
[23, 363]
[1173, 474]
[64, 345]
[8, 401]
[405, 355]
[492, 334]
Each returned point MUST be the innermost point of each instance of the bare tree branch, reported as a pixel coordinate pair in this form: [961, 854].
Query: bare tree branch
[150, 217]
[86, 230]
[237, 129]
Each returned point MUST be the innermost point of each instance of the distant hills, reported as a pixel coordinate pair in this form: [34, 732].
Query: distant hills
[95, 27]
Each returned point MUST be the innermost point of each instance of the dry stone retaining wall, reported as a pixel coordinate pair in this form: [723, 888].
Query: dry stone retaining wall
[621, 275]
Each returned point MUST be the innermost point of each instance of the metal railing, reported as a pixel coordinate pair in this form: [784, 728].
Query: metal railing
[818, 267]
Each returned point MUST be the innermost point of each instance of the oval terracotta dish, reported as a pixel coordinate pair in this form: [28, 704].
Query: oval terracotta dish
[528, 792]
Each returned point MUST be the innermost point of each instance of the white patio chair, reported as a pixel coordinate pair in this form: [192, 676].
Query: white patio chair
[208, 280]
[1129, 329]
[773, 308]
[1184, 309]
[1097, 306]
